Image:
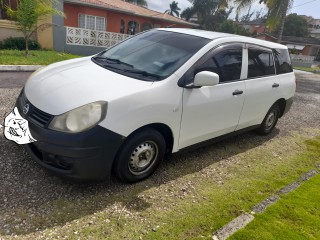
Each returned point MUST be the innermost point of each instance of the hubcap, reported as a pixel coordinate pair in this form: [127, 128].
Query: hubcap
[143, 157]
[270, 119]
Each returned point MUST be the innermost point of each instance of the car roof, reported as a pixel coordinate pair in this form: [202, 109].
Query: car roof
[218, 35]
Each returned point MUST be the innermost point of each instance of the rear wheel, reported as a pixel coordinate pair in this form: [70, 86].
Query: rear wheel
[140, 156]
[270, 120]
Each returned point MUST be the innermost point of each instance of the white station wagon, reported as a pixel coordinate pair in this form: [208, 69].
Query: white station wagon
[158, 92]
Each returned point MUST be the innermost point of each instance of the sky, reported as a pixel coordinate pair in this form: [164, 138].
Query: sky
[309, 7]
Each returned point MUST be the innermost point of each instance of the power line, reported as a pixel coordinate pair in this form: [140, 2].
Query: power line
[304, 3]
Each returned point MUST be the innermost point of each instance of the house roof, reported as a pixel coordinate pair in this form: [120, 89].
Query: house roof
[293, 39]
[125, 7]
[254, 22]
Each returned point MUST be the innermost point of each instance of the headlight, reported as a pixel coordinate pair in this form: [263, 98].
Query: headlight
[80, 119]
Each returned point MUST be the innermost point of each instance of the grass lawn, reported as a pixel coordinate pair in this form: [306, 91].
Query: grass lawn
[16, 57]
[295, 216]
[308, 69]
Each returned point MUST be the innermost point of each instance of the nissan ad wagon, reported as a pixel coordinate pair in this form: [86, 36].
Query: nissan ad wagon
[158, 92]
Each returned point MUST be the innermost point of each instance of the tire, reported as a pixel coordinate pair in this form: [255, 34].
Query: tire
[140, 155]
[270, 120]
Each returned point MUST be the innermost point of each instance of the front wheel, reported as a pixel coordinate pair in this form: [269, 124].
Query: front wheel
[140, 156]
[270, 120]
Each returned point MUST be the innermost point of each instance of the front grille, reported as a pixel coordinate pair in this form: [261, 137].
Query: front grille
[40, 118]
[34, 114]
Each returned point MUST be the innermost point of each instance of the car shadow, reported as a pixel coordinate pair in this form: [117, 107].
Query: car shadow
[32, 197]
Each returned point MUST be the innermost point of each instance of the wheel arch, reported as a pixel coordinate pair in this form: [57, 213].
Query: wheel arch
[162, 128]
[282, 104]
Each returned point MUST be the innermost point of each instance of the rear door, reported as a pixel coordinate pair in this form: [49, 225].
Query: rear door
[212, 111]
[262, 86]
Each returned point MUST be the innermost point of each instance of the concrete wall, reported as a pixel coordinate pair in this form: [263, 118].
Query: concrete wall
[10, 29]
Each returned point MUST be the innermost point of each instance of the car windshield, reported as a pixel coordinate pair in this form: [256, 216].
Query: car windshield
[150, 56]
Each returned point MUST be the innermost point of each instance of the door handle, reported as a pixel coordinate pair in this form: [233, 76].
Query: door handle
[275, 85]
[237, 92]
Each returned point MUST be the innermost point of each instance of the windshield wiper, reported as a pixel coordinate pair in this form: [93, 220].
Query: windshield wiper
[143, 73]
[113, 60]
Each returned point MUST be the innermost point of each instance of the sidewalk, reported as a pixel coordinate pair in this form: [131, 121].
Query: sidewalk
[19, 68]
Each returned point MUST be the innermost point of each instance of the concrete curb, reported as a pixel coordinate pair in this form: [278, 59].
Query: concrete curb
[244, 219]
[19, 68]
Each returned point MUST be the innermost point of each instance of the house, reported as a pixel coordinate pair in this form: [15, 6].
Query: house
[314, 26]
[304, 50]
[7, 27]
[97, 24]
[255, 26]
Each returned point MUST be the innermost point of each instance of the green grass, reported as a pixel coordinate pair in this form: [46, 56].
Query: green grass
[39, 57]
[307, 69]
[163, 211]
[295, 216]
[237, 195]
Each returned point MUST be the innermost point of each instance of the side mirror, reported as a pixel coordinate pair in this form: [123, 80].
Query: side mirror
[206, 78]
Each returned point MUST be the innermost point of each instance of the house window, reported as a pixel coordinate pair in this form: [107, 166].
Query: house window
[133, 27]
[92, 22]
[146, 26]
[122, 27]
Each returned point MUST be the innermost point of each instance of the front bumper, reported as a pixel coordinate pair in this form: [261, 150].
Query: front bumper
[84, 156]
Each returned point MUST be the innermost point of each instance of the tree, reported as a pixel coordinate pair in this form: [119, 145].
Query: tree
[295, 25]
[188, 13]
[210, 13]
[141, 3]
[29, 13]
[277, 11]
[229, 26]
[174, 9]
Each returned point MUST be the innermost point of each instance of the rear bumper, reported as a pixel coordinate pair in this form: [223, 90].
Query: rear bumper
[83, 156]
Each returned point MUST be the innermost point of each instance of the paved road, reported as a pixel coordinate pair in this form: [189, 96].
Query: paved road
[13, 79]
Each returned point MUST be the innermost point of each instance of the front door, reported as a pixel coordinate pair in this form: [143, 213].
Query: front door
[212, 111]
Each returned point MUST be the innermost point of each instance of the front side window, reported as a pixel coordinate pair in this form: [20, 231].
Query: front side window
[283, 61]
[260, 63]
[226, 61]
[153, 55]
[92, 22]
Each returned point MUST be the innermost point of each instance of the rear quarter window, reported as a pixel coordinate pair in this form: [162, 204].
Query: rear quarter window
[283, 61]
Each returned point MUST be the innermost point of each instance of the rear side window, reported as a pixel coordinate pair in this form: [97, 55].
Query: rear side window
[226, 63]
[260, 63]
[282, 60]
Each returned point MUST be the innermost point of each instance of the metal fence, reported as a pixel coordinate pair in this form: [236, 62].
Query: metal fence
[87, 37]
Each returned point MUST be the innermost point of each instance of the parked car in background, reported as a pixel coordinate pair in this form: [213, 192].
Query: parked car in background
[158, 92]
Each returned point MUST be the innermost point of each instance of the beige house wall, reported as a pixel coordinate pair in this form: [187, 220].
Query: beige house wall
[45, 33]
[8, 29]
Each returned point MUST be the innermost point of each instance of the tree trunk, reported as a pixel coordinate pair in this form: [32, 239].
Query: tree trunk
[283, 19]
[27, 47]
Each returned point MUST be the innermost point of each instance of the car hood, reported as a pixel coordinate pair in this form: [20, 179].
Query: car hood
[66, 85]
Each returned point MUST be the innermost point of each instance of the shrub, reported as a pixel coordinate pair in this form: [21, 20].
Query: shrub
[19, 43]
